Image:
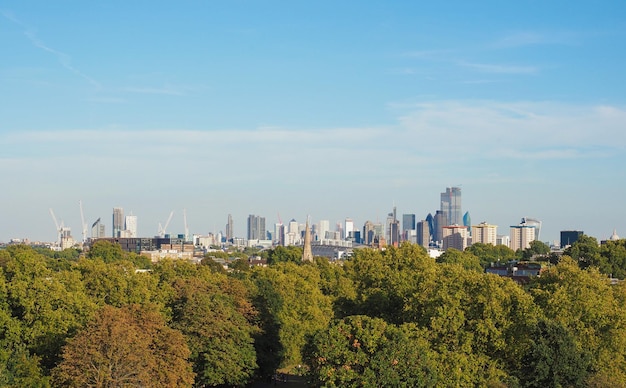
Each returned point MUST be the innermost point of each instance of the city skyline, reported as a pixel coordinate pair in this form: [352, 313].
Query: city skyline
[327, 109]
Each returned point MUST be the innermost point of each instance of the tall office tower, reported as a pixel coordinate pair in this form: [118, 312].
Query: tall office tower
[451, 205]
[323, 229]
[349, 228]
[98, 230]
[484, 233]
[408, 222]
[431, 225]
[379, 232]
[439, 221]
[279, 234]
[130, 225]
[467, 221]
[118, 221]
[569, 237]
[256, 227]
[455, 236]
[521, 236]
[368, 232]
[229, 229]
[423, 233]
[393, 228]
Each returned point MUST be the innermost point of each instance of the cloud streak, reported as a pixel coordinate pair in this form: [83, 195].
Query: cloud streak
[64, 59]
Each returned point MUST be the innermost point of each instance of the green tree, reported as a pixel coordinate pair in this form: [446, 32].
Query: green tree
[589, 307]
[360, 351]
[553, 359]
[614, 258]
[465, 259]
[218, 329]
[586, 252]
[282, 254]
[130, 346]
[536, 249]
[488, 253]
[291, 307]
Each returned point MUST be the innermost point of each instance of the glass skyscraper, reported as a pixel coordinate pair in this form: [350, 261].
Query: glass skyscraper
[451, 206]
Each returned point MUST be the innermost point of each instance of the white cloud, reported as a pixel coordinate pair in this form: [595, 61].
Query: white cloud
[501, 69]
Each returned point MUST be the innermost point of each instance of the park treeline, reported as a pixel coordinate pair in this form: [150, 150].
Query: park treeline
[390, 318]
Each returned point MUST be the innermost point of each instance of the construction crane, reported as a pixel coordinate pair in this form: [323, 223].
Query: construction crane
[162, 229]
[82, 220]
[186, 226]
[59, 228]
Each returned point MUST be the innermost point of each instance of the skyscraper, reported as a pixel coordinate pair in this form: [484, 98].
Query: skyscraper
[229, 229]
[118, 221]
[256, 227]
[569, 237]
[439, 221]
[349, 228]
[408, 222]
[423, 233]
[451, 205]
[97, 229]
[130, 225]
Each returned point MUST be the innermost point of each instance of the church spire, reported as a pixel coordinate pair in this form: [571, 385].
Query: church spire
[307, 253]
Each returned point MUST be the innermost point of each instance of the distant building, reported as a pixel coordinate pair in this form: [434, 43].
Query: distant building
[422, 232]
[451, 205]
[439, 221]
[229, 229]
[569, 237]
[503, 239]
[98, 229]
[455, 236]
[393, 228]
[521, 236]
[118, 221]
[349, 228]
[324, 227]
[256, 227]
[408, 222]
[130, 226]
[484, 233]
[467, 221]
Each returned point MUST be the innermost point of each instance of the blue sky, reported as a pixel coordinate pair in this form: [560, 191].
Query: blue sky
[330, 108]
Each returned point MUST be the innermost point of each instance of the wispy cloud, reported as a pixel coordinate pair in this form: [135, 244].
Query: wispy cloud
[64, 59]
[531, 38]
[501, 69]
[164, 91]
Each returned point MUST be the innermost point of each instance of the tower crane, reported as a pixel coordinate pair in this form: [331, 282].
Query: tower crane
[82, 220]
[186, 226]
[164, 228]
[59, 228]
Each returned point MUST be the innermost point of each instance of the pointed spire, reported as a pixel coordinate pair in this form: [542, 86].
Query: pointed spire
[307, 253]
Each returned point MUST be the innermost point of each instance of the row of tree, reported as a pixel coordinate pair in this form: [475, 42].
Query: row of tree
[382, 318]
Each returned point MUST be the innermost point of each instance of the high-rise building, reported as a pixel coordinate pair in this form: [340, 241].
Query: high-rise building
[423, 233]
[484, 233]
[408, 222]
[521, 236]
[98, 230]
[256, 227]
[569, 237]
[130, 225]
[349, 228]
[324, 227]
[431, 225]
[439, 221]
[393, 228]
[467, 221]
[451, 206]
[368, 232]
[118, 221]
[455, 236]
[229, 229]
